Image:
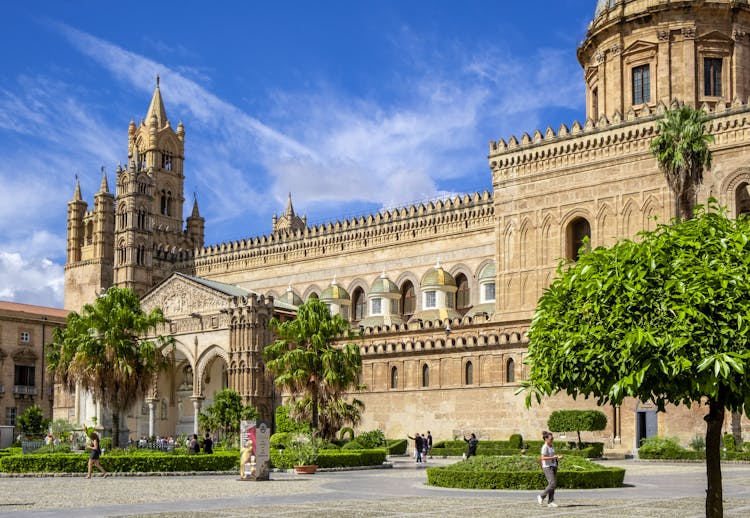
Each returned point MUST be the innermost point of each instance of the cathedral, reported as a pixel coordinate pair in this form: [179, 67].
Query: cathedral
[441, 293]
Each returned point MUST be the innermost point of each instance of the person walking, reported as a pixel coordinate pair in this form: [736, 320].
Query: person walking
[418, 445]
[429, 443]
[472, 450]
[193, 446]
[549, 465]
[208, 444]
[96, 452]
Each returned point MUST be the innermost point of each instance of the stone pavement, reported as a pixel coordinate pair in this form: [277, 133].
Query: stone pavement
[658, 490]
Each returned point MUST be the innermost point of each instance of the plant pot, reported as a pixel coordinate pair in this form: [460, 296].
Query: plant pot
[306, 470]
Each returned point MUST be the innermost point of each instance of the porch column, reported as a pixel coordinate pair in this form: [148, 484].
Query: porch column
[197, 402]
[151, 417]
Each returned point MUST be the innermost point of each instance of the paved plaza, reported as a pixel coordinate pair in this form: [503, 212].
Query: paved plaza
[652, 490]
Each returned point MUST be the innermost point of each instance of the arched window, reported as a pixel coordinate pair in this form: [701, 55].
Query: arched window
[408, 300]
[510, 370]
[359, 303]
[313, 295]
[142, 219]
[169, 203]
[463, 295]
[122, 254]
[89, 232]
[394, 377]
[469, 374]
[163, 204]
[578, 230]
[742, 200]
[425, 375]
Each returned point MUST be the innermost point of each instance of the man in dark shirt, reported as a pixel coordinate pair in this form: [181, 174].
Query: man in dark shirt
[194, 447]
[208, 444]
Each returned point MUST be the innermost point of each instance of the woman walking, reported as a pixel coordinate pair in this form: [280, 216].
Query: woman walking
[96, 452]
[549, 466]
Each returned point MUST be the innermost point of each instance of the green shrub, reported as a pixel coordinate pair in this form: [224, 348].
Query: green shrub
[516, 441]
[333, 458]
[729, 444]
[397, 446]
[577, 421]
[32, 422]
[372, 439]
[522, 472]
[279, 440]
[52, 448]
[457, 448]
[346, 431]
[698, 443]
[143, 462]
[106, 443]
[284, 423]
[354, 445]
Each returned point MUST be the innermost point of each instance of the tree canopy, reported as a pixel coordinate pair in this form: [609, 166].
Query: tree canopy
[575, 421]
[663, 320]
[225, 414]
[682, 151]
[103, 350]
[305, 362]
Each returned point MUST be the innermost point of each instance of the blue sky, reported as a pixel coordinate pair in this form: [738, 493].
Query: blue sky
[351, 106]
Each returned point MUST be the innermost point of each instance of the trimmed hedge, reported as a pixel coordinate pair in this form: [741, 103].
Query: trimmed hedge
[333, 458]
[124, 463]
[522, 473]
[397, 446]
[502, 448]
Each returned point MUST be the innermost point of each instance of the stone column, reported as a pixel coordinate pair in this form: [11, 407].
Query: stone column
[151, 417]
[197, 402]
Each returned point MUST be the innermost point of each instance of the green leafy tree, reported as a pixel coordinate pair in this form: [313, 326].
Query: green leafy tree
[575, 421]
[225, 414]
[304, 361]
[663, 320]
[32, 421]
[682, 151]
[103, 350]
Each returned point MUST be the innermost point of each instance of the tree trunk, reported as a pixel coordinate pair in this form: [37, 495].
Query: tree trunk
[115, 429]
[737, 429]
[714, 496]
[314, 401]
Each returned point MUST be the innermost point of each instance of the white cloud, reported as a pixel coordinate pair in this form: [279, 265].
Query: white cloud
[32, 280]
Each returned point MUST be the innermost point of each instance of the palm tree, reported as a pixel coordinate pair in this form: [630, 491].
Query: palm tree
[305, 362]
[102, 350]
[681, 149]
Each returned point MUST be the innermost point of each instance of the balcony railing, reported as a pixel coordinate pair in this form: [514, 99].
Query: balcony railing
[25, 390]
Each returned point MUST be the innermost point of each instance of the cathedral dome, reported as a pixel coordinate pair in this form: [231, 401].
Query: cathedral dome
[438, 277]
[383, 285]
[291, 298]
[334, 292]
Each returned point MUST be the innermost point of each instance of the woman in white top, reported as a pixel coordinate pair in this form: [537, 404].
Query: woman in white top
[549, 466]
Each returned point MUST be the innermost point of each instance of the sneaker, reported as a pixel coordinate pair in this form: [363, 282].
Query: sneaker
[539, 500]
[552, 504]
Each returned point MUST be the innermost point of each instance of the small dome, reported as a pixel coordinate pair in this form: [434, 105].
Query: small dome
[488, 272]
[438, 277]
[334, 292]
[383, 285]
[291, 298]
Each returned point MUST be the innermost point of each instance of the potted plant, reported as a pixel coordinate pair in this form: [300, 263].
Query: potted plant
[304, 451]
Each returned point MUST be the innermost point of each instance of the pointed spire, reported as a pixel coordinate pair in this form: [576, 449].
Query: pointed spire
[289, 208]
[77, 196]
[156, 108]
[104, 187]
[195, 213]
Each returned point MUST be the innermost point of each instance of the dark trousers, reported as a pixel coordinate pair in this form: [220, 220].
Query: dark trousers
[549, 491]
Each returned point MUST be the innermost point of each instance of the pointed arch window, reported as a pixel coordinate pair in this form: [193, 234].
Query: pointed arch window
[90, 232]
[742, 199]
[408, 300]
[394, 377]
[579, 230]
[359, 303]
[163, 203]
[469, 373]
[313, 295]
[510, 370]
[463, 294]
[425, 375]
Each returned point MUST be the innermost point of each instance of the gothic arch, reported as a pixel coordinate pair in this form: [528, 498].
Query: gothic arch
[207, 356]
[650, 211]
[508, 247]
[567, 223]
[546, 240]
[310, 290]
[607, 225]
[463, 269]
[630, 224]
[729, 187]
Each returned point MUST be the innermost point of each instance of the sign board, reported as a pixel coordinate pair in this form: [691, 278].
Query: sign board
[260, 448]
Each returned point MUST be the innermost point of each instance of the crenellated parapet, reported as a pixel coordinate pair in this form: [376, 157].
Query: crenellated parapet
[605, 139]
[449, 216]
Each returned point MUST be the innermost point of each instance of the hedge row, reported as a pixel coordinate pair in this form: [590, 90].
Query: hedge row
[692, 455]
[397, 446]
[579, 474]
[333, 458]
[457, 448]
[127, 463]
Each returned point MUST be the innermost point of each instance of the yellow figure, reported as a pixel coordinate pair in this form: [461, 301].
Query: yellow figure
[245, 454]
